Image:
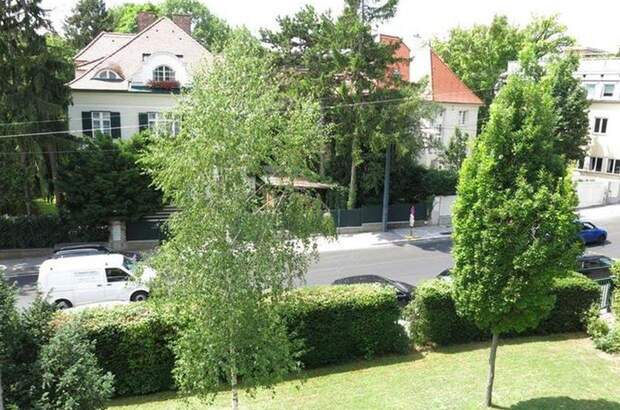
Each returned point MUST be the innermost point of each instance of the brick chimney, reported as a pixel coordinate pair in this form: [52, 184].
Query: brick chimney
[145, 19]
[184, 21]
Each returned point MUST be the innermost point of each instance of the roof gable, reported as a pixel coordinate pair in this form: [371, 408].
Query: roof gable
[163, 36]
[446, 86]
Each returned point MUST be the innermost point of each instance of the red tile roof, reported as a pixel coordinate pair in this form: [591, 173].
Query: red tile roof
[447, 87]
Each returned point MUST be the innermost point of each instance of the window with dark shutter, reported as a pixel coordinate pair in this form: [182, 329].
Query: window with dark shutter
[87, 124]
[143, 121]
[115, 122]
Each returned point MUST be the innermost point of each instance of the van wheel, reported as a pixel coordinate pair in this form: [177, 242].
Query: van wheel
[139, 296]
[62, 304]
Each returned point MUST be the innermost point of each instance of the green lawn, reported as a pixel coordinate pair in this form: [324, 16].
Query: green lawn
[559, 372]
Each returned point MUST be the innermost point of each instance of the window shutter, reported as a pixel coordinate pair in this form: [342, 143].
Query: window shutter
[87, 124]
[115, 123]
[143, 121]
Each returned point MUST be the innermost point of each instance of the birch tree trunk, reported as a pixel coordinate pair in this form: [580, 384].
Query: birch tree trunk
[53, 159]
[492, 355]
[233, 389]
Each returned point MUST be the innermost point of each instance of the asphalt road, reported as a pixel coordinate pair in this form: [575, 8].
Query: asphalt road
[408, 262]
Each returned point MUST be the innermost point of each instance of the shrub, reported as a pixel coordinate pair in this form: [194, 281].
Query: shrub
[615, 299]
[575, 294]
[21, 371]
[433, 317]
[609, 342]
[336, 324]
[132, 342]
[71, 376]
[342, 323]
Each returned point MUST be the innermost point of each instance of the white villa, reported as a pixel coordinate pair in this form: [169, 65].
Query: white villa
[458, 104]
[124, 82]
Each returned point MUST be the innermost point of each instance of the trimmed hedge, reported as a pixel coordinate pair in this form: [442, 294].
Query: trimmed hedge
[132, 342]
[433, 317]
[338, 324]
[343, 323]
[44, 231]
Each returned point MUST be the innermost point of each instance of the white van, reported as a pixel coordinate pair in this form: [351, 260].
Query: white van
[82, 280]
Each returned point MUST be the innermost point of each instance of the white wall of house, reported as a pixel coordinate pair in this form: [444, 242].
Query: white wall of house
[128, 104]
[601, 78]
[444, 126]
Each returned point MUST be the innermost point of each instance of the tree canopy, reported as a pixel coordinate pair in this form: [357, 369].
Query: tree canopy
[480, 55]
[514, 229]
[339, 61]
[237, 244]
[88, 18]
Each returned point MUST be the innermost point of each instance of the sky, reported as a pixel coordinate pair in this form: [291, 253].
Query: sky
[594, 23]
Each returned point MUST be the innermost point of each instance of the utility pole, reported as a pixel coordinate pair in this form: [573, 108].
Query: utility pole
[386, 188]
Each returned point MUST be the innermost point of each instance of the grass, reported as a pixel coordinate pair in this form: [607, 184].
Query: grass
[558, 372]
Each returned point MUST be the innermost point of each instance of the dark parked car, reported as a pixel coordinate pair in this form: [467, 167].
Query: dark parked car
[590, 233]
[445, 274]
[595, 266]
[70, 251]
[404, 291]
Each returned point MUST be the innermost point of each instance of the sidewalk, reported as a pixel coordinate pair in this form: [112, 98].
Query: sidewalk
[600, 212]
[346, 242]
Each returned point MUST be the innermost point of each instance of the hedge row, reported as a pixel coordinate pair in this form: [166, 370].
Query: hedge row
[433, 317]
[337, 323]
[43, 231]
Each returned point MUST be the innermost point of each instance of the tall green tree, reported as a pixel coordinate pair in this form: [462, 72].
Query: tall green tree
[87, 19]
[102, 180]
[33, 94]
[237, 245]
[480, 55]
[338, 61]
[514, 229]
[453, 155]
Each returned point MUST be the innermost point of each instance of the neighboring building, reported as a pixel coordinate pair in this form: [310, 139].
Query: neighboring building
[601, 79]
[458, 105]
[124, 82]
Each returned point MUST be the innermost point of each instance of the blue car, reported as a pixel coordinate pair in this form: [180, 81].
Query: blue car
[590, 233]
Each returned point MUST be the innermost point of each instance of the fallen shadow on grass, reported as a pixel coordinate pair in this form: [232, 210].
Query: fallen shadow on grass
[510, 340]
[564, 403]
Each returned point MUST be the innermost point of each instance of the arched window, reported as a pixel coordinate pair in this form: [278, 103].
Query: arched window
[163, 73]
[107, 75]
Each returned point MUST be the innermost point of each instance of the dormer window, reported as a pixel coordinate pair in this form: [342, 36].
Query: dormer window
[107, 75]
[163, 73]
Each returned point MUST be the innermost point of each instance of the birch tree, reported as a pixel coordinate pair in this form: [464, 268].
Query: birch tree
[514, 229]
[237, 244]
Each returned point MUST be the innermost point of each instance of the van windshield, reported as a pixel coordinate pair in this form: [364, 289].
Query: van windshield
[129, 264]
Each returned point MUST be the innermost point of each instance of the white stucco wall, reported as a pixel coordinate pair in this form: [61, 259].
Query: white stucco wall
[129, 104]
[449, 122]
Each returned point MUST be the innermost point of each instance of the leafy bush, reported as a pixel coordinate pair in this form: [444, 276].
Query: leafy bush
[615, 299]
[596, 326]
[342, 323]
[71, 377]
[21, 372]
[44, 231]
[132, 342]
[575, 294]
[609, 342]
[337, 324]
[433, 317]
